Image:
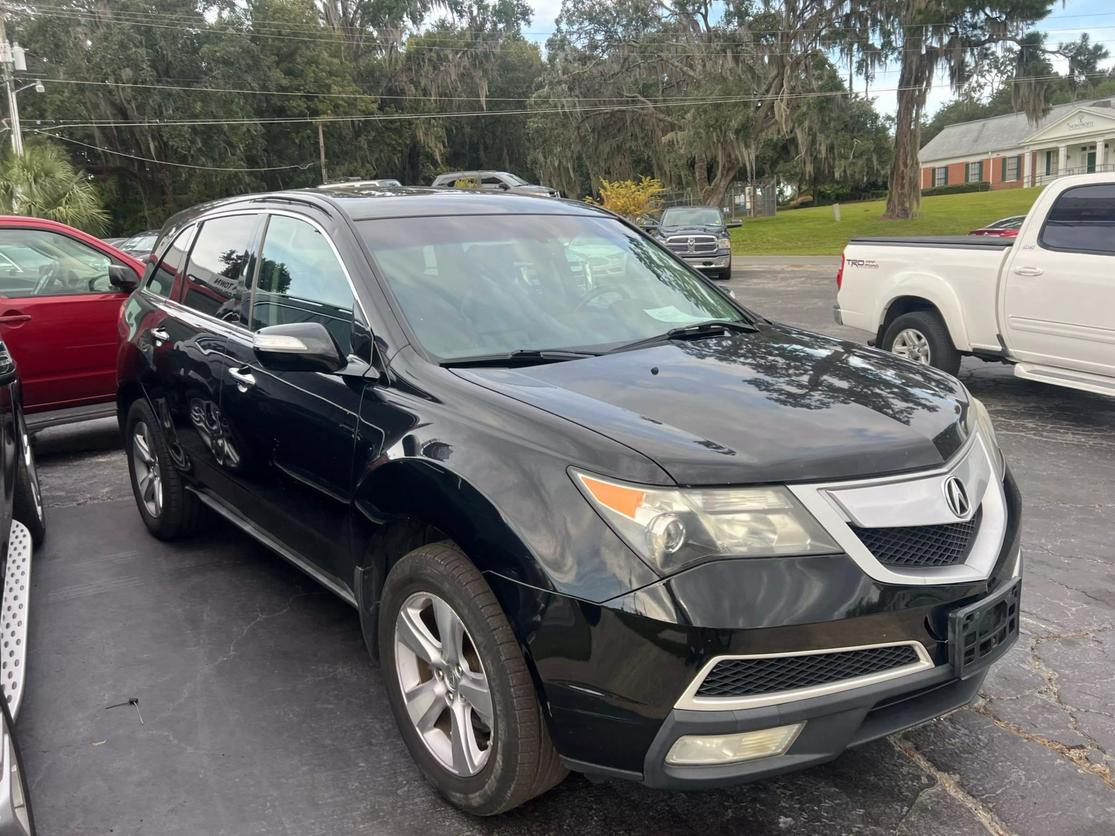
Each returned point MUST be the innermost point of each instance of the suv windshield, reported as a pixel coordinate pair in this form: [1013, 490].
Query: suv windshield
[514, 180]
[694, 216]
[488, 284]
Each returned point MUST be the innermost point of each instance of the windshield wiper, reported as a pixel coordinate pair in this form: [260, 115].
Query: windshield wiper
[696, 331]
[522, 356]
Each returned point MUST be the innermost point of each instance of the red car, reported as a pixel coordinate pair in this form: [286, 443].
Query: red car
[60, 296]
[1002, 228]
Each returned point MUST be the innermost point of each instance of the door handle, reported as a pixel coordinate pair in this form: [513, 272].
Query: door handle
[1028, 271]
[159, 336]
[244, 379]
[14, 318]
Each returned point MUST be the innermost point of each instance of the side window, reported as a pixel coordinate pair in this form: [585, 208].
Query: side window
[490, 181]
[301, 280]
[215, 277]
[1082, 220]
[170, 266]
[35, 262]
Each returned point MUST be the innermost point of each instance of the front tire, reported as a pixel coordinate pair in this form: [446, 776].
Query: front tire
[459, 688]
[27, 501]
[921, 337]
[167, 509]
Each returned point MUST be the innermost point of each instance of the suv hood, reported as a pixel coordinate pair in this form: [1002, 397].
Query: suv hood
[780, 405]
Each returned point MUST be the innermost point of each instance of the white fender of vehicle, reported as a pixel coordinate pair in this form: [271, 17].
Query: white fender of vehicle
[932, 289]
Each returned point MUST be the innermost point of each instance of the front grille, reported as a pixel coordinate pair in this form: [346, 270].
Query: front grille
[746, 677]
[702, 244]
[923, 546]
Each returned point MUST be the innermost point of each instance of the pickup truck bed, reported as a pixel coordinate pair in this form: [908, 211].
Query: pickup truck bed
[949, 241]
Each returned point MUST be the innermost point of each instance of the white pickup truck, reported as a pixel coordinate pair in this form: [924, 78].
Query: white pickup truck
[1044, 301]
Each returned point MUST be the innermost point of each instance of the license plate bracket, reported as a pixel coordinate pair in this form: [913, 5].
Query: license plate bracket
[982, 632]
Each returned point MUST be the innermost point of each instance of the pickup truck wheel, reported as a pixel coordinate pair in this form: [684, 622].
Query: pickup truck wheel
[459, 688]
[27, 501]
[168, 510]
[921, 337]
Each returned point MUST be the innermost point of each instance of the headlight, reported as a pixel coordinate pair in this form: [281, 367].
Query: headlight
[673, 528]
[725, 243]
[979, 419]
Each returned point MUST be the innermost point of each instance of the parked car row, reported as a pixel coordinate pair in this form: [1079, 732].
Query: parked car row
[593, 513]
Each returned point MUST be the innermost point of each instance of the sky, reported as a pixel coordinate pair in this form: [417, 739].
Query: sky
[1068, 20]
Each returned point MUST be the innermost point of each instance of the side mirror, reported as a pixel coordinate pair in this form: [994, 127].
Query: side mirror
[733, 224]
[505, 187]
[649, 226]
[122, 278]
[298, 347]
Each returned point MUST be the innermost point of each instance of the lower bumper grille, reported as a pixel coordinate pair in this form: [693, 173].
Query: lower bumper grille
[755, 676]
[922, 546]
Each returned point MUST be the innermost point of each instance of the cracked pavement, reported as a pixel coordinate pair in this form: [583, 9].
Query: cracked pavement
[262, 715]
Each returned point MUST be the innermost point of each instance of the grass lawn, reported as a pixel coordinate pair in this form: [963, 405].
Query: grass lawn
[814, 232]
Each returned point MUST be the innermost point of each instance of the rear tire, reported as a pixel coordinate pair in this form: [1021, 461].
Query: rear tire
[27, 501]
[511, 758]
[167, 509]
[921, 337]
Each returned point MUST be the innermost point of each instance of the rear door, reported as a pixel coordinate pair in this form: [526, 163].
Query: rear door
[198, 291]
[58, 315]
[1060, 284]
[295, 431]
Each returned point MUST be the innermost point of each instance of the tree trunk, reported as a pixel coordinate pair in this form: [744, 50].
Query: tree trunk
[700, 174]
[904, 194]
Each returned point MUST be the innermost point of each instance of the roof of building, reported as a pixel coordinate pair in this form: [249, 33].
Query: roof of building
[996, 133]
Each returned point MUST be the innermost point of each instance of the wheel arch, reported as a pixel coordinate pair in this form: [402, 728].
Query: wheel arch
[410, 502]
[944, 305]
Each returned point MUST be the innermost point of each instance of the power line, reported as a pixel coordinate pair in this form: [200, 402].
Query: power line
[326, 37]
[167, 162]
[393, 117]
[365, 35]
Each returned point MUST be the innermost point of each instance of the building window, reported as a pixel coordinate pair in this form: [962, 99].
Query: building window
[1010, 169]
[975, 172]
[1048, 162]
[940, 176]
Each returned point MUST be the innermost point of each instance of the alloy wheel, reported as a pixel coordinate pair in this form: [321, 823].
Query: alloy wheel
[912, 345]
[32, 473]
[147, 470]
[443, 683]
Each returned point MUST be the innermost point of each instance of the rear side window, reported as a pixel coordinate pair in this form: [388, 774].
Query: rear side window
[301, 280]
[166, 272]
[1082, 220]
[215, 277]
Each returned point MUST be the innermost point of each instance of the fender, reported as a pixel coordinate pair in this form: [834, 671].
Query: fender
[933, 290]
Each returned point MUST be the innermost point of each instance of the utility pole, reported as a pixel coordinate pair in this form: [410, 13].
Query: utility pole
[321, 152]
[12, 59]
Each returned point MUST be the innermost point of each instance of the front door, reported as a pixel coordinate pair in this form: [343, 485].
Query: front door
[58, 314]
[1060, 284]
[1092, 161]
[295, 431]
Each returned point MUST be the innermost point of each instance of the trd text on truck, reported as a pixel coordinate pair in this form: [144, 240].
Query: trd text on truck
[605, 521]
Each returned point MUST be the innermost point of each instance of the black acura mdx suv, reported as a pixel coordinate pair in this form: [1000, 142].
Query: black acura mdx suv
[613, 523]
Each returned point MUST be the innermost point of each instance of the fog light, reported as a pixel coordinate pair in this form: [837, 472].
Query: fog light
[705, 749]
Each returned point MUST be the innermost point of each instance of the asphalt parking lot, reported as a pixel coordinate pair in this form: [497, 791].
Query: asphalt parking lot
[259, 713]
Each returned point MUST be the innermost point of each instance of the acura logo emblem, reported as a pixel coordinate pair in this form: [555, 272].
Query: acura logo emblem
[691, 242]
[957, 497]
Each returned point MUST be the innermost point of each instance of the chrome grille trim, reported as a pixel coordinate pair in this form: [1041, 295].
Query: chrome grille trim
[912, 500]
[702, 244]
[690, 701]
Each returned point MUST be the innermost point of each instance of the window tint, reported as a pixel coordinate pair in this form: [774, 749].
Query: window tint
[218, 264]
[300, 280]
[34, 262]
[1082, 219]
[166, 273]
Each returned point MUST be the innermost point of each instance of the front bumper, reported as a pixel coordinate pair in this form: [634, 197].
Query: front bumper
[612, 676]
[720, 261]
